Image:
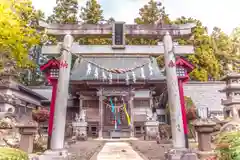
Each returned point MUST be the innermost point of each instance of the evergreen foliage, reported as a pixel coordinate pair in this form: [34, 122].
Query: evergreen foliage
[65, 12]
[214, 52]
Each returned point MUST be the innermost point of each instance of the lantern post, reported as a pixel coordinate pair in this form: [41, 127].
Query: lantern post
[183, 68]
[51, 70]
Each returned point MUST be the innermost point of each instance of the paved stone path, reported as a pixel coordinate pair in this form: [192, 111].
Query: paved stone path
[118, 151]
[84, 150]
[150, 149]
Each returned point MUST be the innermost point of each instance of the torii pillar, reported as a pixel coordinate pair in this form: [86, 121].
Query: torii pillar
[59, 122]
[179, 151]
[173, 94]
[57, 141]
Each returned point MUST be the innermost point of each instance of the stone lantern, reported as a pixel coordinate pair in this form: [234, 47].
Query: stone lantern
[232, 101]
[27, 129]
[231, 104]
[204, 128]
[51, 70]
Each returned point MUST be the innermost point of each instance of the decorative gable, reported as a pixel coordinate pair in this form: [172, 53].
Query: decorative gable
[181, 61]
[52, 63]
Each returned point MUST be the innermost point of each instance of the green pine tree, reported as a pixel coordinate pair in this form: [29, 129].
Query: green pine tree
[205, 61]
[152, 13]
[65, 12]
[224, 49]
[92, 12]
[235, 38]
[110, 20]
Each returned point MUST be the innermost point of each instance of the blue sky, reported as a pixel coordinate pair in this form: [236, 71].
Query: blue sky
[222, 13]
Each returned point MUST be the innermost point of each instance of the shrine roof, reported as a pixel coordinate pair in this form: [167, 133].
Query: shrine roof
[112, 62]
[230, 76]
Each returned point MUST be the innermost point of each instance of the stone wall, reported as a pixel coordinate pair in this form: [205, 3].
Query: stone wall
[206, 94]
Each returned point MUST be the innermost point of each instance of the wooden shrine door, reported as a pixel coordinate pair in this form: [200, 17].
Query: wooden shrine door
[109, 117]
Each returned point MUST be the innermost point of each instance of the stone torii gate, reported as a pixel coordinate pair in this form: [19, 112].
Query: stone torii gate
[118, 31]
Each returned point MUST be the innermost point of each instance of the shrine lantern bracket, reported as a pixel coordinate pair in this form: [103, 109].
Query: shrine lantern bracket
[51, 69]
[183, 67]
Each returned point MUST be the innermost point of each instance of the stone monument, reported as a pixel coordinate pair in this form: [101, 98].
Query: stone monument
[80, 126]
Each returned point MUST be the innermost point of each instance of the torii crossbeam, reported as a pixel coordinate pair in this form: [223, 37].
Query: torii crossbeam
[107, 50]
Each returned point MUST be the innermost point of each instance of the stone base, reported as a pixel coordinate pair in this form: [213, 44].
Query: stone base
[100, 138]
[164, 141]
[180, 154]
[80, 137]
[80, 130]
[115, 134]
[71, 141]
[202, 155]
[151, 130]
[55, 155]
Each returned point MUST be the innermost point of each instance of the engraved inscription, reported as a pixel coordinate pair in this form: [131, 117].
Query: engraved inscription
[119, 34]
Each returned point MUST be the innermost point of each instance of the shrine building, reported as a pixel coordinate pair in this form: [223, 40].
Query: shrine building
[96, 88]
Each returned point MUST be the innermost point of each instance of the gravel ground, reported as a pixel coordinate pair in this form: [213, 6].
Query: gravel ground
[84, 150]
[150, 149]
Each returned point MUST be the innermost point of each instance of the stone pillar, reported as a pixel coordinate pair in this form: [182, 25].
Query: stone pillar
[173, 94]
[57, 141]
[131, 106]
[100, 131]
[204, 129]
[235, 115]
[27, 137]
[80, 104]
[151, 101]
[154, 115]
